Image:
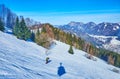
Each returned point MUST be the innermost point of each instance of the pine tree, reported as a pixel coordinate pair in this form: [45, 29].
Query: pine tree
[21, 30]
[16, 28]
[24, 31]
[27, 33]
[71, 50]
[1, 26]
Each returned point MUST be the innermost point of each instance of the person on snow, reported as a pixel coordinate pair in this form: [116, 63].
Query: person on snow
[47, 59]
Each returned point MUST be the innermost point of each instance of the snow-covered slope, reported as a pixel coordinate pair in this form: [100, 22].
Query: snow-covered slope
[26, 60]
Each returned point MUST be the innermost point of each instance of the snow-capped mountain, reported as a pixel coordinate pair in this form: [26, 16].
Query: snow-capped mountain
[104, 32]
[105, 29]
[7, 16]
[26, 60]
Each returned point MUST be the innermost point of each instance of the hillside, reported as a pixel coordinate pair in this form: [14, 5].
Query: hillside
[26, 60]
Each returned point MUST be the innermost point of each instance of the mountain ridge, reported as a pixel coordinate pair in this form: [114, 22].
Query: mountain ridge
[89, 30]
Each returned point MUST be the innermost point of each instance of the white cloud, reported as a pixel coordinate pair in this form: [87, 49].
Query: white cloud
[64, 18]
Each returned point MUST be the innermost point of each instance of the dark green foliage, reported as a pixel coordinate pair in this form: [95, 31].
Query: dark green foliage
[117, 60]
[1, 26]
[25, 32]
[21, 30]
[16, 31]
[33, 37]
[47, 59]
[71, 50]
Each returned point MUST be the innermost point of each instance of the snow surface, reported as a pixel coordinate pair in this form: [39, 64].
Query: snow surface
[115, 41]
[101, 36]
[113, 45]
[115, 27]
[26, 60]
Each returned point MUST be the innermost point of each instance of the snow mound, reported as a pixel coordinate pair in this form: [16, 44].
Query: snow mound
[26, 60]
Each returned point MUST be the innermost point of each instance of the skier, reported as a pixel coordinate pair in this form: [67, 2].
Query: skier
[47, 59]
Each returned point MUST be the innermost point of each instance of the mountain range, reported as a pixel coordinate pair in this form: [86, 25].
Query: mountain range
[102, 34]
[104, 29]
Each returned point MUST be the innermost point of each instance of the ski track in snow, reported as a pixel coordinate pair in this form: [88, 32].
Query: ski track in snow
[26, 60]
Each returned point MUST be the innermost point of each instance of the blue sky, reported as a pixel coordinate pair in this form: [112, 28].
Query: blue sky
[63, 11]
